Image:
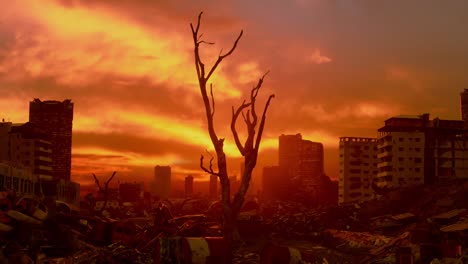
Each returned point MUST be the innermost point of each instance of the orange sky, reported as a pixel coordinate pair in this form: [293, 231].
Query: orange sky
[338, 68]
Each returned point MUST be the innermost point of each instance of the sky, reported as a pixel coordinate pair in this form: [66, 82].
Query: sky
[337, 68]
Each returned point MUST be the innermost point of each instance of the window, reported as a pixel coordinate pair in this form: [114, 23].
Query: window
[355, 171]
[417, 160]
[401, 169]
[417, 169]
[401, 159]
[417, 149]
[400, 148]
[417, 139]
[400, 139]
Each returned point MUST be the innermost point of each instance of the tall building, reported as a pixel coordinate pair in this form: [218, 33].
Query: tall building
[401, 152]
[189, 186]
[289, 151]
[131, 191]
[162, 181]
[56, 119]
[358, 167]
[32, 148]
[213, 187]
[274, 183]
[464, 105]
[301, 158]
[416, 150]
[26, 145]
[311, 161]
[18, 178]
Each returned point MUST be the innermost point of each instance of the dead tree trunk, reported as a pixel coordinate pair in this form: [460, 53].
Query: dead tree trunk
[104, 191]
[248, 149]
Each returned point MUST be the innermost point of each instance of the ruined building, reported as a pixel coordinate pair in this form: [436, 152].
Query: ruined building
[55, 119]
[162, 182]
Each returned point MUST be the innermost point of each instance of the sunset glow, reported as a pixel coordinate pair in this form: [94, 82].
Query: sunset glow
[336, 69]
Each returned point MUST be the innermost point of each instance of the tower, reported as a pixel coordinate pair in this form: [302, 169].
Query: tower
[56, 120]
[464, 105]
[213, 187]
[188, 186]
[162, 181]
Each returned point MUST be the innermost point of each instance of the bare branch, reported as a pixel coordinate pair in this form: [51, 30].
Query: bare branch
[97, 183]
[205, 42]
[210, 170]
[235, 115]
[221, 57]
[253, 97]
[110, 179]
[212, 100]
[262, 123]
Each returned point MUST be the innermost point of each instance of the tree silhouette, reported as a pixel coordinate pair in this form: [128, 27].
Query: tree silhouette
[248, 149]
[105, 190]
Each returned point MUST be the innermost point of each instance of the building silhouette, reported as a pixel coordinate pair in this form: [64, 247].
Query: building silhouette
[131, 192]
[411, 150]
[213, 187]
[301, 158]
[162, 182]
[32, 148]
[55, 119]
[464, 105]
[358, 165]
[189, 186]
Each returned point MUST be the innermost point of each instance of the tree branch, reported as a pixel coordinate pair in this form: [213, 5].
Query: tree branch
[210, 170]
[235, 115]
[221, 57]
[262, 123]
[212, 100]
[97, 182]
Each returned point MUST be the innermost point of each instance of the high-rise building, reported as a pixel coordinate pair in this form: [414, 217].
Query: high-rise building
[274, 183]
[55, 119]
[213, 186]
[358, 167]
[32, 148]
[18, 178]
[301, 158]
[464, 105]
[25, 144]
[162, 181]
[131, 192]
[189, 186]
[289, 151]
[311, 161]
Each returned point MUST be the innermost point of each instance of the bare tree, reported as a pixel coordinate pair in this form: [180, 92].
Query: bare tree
[248, 149]
[105, 190]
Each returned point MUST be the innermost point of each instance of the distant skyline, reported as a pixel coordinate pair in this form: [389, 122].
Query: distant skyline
[337, 67]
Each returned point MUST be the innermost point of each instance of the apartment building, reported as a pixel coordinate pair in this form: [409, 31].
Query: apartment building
[56, 119]
[18, 178]
[401, 158]
[358, 167]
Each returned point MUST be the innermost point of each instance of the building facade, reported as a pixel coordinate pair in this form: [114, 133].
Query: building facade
[29, 146]
[131, 192]
[56, 119]
[214, 187]
[301, 158]
[358, 167]
[464, 105]
[17, 178]
[189, 186]
[162, 182]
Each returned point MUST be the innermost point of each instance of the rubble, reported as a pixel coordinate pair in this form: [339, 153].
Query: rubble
[399, 227]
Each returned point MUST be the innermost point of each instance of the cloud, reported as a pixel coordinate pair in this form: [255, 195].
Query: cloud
[317, 58]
